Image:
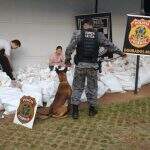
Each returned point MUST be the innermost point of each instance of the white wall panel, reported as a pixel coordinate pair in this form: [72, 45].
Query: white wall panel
[41, 25]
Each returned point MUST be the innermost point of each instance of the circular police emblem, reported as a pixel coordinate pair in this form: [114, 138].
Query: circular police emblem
[25, 111]
[139, 35]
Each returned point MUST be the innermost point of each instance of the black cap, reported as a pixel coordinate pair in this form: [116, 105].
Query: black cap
[88, 21]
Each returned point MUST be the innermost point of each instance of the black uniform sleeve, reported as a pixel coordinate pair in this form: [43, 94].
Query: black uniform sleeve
[104, 42]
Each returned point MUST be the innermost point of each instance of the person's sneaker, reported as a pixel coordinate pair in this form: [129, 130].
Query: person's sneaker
[75, 112]
[92, 111]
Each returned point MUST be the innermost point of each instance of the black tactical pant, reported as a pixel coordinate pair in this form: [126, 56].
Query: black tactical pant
[4, 62]
[80, 76]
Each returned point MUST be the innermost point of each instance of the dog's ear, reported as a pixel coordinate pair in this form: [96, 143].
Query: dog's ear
[65, 70]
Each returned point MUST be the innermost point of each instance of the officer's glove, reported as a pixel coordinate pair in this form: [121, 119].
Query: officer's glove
[51, 67]
[13, 76]
[124, 55]
[100, 66]
[100, 69]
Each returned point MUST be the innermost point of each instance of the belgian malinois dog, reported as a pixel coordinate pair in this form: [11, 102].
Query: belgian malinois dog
[61, 104]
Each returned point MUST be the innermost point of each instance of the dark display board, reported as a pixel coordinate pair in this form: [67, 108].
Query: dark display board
[102, 23]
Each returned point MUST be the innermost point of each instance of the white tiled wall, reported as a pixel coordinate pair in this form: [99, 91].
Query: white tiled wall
[41, 25]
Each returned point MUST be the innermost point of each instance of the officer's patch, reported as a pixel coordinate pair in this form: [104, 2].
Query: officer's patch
[89, 34]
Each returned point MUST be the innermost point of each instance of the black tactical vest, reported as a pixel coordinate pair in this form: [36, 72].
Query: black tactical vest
[88, 47]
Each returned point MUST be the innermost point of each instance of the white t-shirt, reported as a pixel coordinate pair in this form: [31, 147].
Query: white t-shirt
[4, 44]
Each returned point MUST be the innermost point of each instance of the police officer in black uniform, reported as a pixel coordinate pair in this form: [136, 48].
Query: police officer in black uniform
[87, 42]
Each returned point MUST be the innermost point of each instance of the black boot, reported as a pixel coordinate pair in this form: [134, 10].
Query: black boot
[75, 112]
[92, 111]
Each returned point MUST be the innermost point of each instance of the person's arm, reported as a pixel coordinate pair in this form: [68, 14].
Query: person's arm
[62, 58]
[72, 45]
[9, 59]
[8, 52]
[109, 45]
[11, 73]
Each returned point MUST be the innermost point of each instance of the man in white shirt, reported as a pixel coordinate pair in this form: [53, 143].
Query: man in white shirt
[5, 55]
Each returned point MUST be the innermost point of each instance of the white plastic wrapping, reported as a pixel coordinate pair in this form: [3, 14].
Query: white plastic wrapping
[144, 74]
[39, 82]
[1, 107]
[10, 98]
[4, 79]
[112, 83]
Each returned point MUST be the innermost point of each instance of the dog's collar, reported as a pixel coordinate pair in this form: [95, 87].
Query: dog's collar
[63, 82]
